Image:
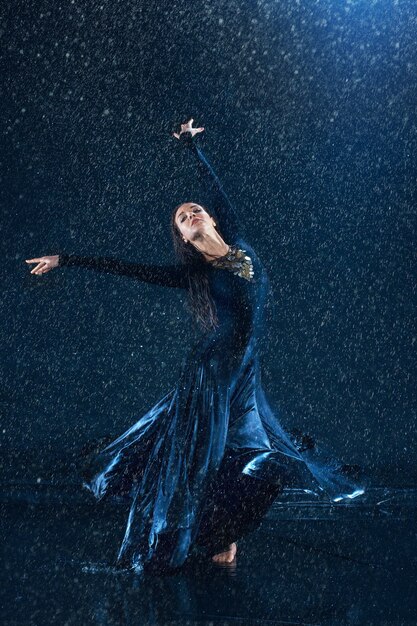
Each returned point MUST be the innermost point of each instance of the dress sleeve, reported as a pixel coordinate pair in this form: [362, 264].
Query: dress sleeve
[163, 275]
[223, 207]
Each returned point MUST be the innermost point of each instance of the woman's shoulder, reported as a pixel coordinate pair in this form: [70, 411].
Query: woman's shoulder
[194, 269]
[242, 243]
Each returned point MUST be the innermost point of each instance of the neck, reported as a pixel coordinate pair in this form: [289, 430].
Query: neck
[211, 245]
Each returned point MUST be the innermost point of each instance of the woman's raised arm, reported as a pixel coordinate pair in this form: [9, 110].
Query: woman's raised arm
[223, 207]
[163, 275]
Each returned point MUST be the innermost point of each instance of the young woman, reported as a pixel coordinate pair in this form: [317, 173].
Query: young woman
[205, 463]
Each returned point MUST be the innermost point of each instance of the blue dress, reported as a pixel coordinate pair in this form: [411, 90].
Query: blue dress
[204, 464]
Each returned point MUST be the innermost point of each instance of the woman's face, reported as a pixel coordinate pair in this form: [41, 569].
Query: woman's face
[191, 219]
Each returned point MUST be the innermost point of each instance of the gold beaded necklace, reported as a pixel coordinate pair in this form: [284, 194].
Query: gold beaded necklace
[237, 261]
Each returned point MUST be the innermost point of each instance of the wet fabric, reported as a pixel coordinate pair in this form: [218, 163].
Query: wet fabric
[204, 464]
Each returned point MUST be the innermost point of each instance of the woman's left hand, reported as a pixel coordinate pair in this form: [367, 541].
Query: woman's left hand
[188, 127]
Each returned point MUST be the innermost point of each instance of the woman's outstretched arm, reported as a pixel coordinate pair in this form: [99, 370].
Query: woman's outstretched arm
[225, 211]
[163, 275]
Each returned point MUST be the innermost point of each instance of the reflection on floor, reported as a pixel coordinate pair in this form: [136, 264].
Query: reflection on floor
[311, 562]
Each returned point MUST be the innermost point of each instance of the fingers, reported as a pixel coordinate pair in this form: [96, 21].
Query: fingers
[188, 127]
[41, 268]
[38, 268]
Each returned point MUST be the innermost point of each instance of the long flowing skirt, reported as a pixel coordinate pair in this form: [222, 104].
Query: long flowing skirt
[204, 464]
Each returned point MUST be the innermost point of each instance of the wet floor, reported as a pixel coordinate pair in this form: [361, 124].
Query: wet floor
[309, 563]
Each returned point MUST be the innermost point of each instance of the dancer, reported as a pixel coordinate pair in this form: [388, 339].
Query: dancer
[203, 466]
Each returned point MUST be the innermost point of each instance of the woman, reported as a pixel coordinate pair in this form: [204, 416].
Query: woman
[205, 463]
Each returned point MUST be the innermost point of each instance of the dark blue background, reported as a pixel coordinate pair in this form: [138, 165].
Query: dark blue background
[309, 110]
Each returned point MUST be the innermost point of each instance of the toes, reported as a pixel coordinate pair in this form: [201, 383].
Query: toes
[224, 558]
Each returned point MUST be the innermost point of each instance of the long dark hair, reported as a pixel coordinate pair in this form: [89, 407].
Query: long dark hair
[200, 302]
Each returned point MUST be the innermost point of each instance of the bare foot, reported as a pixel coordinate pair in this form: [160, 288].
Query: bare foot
[226, 557]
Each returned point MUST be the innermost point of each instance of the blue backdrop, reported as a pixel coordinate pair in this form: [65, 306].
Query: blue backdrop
[308, 110]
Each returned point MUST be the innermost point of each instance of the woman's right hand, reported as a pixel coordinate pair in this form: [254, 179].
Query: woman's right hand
[44, 264]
